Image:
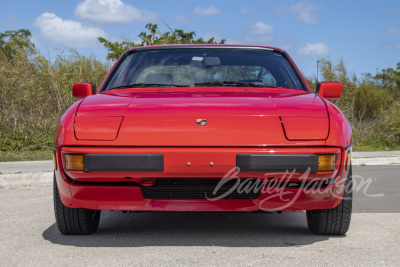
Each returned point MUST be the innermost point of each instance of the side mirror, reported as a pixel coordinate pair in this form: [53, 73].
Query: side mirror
[81, 90]
[330, 89]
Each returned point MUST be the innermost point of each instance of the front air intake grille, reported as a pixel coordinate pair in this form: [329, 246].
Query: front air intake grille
[196, 188]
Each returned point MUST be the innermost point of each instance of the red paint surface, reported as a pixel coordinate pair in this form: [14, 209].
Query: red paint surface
[330, 90]
[81, 90]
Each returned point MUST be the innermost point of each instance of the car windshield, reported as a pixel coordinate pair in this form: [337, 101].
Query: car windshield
[197, 67]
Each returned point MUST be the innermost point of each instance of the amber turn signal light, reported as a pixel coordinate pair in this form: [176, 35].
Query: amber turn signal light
[326, 163]
[74, 162]
[55, 160]
[348, 159]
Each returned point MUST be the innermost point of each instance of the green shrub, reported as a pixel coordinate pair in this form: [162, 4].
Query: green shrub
[371, 104]
[35, 92]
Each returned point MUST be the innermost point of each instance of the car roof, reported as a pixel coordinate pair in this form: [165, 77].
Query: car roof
[155, 47]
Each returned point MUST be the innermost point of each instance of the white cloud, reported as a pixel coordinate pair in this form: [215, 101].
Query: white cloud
[394, 31]
[69, 32]
[318, 49]
[111, 12]
[261, 28]
[304, 11]
[206, 11]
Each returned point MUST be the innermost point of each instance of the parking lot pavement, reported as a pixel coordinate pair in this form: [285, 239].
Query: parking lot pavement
[28, 235]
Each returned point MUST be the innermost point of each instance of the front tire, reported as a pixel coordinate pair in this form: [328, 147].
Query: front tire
[72, 221]
[334, 221]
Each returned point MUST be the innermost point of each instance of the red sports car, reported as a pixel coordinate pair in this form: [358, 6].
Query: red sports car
[203, 128]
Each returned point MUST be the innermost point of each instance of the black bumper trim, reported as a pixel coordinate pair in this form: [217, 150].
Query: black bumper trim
[199, 188]
[282, 162]
[124, 162]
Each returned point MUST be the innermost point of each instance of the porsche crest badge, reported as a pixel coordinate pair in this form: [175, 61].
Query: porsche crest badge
[201, 122]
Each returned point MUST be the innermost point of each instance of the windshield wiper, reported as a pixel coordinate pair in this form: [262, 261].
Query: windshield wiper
[136, 85]
[234, 83]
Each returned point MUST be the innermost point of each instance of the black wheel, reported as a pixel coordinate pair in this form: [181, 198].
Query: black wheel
[72, 221]
[334, 221]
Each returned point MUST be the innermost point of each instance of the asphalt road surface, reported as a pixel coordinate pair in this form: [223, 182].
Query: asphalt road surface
[28, 235]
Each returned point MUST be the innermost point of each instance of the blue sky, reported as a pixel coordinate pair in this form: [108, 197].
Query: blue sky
[365, 33]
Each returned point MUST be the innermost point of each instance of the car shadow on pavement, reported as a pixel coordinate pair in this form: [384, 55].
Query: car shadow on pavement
[193, 229]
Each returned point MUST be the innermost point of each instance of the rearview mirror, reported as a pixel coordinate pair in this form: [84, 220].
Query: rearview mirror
[81, 90]
[330, 89]
[205, 62]
[212, 61]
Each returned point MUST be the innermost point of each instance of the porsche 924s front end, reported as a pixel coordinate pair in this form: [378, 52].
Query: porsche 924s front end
[203, 128]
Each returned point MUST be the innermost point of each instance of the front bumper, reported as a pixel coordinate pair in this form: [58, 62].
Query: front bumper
[121, 189]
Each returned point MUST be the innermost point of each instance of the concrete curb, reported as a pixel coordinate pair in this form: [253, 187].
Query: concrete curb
[44, 177]
[375, 161]
[8, 180]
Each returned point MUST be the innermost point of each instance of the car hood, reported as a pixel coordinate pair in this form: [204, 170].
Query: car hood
[228, 118]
